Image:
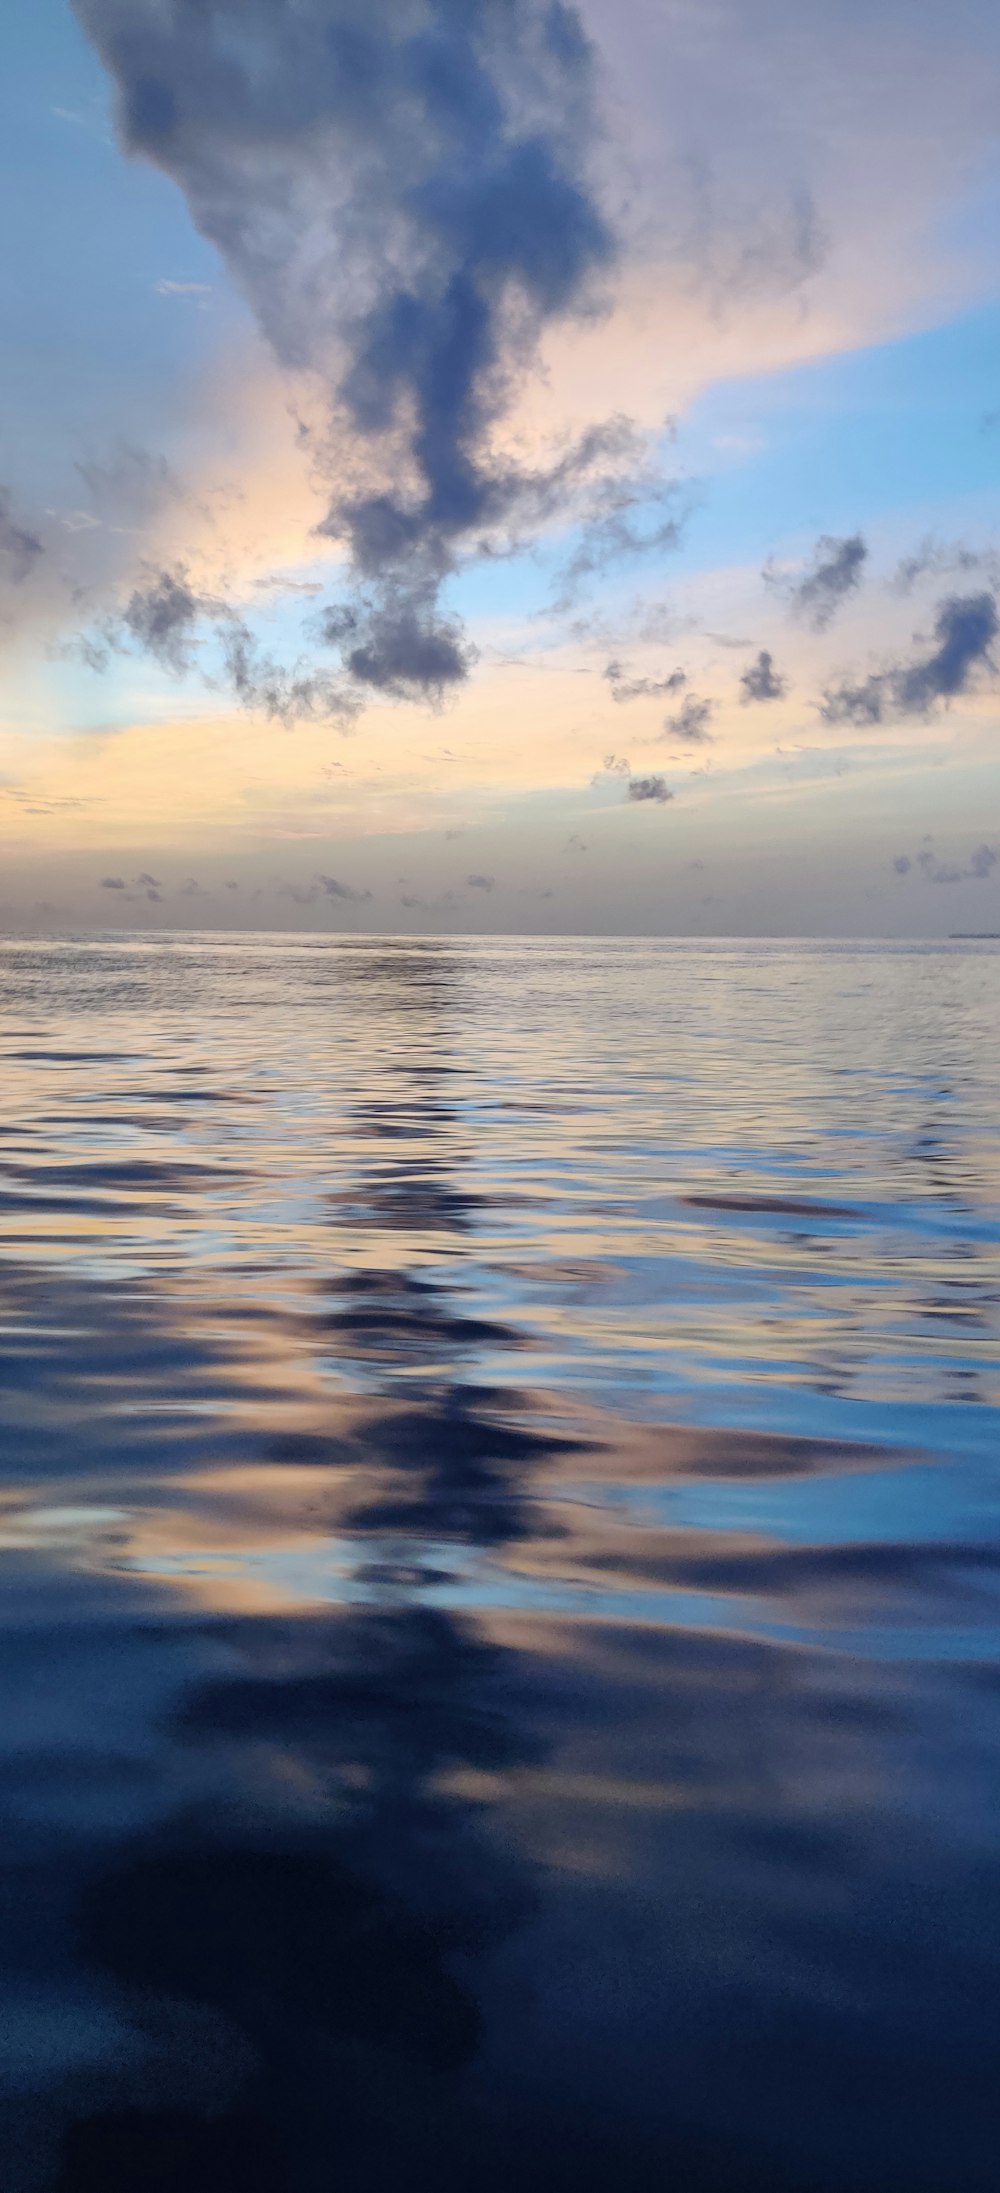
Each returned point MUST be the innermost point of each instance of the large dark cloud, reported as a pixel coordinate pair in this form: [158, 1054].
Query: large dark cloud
[400, 187]
[399, 643]
[834, 573]
[965, 629]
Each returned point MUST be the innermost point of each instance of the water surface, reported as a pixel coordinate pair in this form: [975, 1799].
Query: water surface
[499, 1526]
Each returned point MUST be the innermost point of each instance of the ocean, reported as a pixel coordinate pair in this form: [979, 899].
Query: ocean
[500, 1548]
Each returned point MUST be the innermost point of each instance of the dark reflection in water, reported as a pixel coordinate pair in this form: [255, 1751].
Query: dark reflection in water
[500, 1650]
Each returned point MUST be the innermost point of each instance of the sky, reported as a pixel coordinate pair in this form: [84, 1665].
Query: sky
[501, 466]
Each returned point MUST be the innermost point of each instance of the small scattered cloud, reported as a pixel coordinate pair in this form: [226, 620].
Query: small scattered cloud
[761, 681]
[334, 889]
[161, 616]
[164, 616]
[275, 583]
[444, 904]
[93, 122]
[965, 629]
[856, 700]
[481, 883]
[690, 723]
[624, 687]
[978, 868]
[76, 521]
[832, 575]
[113, 883]
[167, 288]
[93, 649]
[649, 788]
[43, 803]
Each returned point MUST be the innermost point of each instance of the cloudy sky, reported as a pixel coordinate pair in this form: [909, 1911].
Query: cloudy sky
[495, 465]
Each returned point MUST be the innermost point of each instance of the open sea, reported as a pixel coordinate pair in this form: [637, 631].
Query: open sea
[499, 1566]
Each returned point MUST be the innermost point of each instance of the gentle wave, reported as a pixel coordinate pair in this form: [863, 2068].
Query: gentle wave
[500, 1530]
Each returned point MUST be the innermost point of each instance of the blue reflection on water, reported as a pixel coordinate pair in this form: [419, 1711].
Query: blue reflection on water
[499, 1531]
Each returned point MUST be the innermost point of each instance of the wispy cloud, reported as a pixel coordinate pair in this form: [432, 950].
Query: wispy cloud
[20, 549]
[625, 687]
[939, 559]
[833, 573]
[335, 889]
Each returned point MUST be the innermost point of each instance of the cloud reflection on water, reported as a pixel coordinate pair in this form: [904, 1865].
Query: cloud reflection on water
[429, 1758]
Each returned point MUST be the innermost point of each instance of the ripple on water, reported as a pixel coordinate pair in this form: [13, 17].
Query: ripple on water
[499, 1524]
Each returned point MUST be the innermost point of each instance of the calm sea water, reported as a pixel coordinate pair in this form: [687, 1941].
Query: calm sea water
[500, 1566]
